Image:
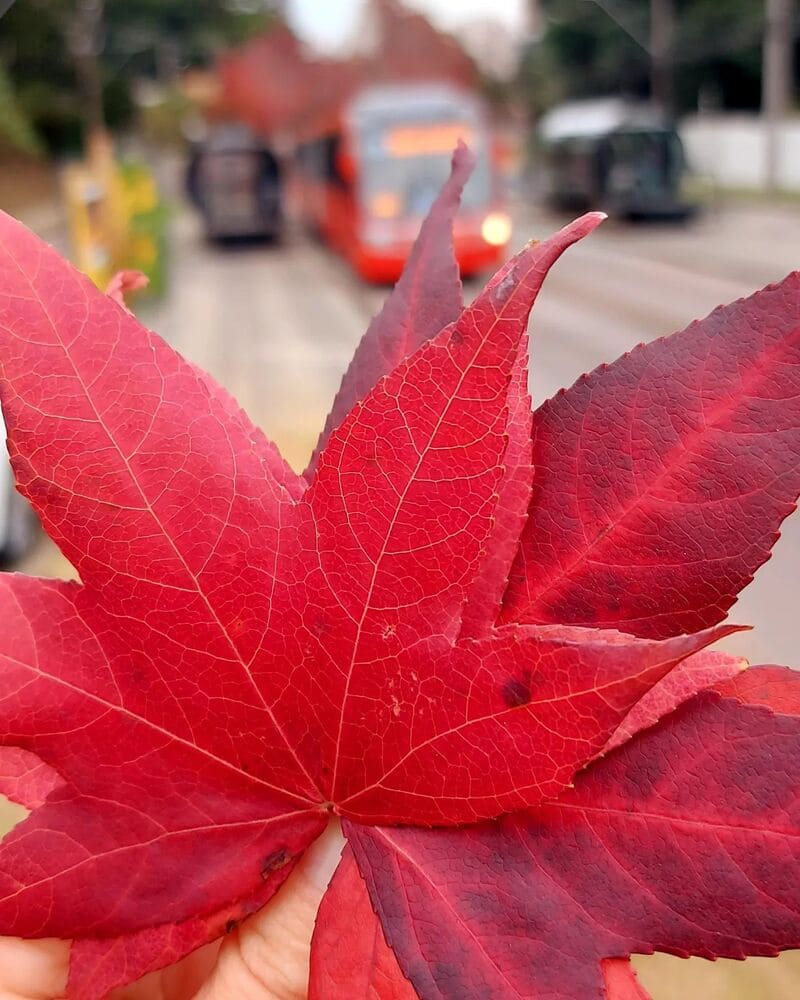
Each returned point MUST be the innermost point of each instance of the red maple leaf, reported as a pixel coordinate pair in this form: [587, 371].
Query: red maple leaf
[438, 636]
[126, 283]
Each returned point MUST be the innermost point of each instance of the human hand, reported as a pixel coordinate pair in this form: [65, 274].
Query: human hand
[264, 959]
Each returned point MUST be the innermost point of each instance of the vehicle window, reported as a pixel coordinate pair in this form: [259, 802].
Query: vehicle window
[406, 186]
[649, 161]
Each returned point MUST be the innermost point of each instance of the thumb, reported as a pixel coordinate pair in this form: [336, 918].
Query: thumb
[31, 970]
[267, 958]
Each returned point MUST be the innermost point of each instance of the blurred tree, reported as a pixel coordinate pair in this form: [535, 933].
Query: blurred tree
[162, 36]
[16, 132]
[34, 52]
[718, 54]
[48, 46]
[589, 48]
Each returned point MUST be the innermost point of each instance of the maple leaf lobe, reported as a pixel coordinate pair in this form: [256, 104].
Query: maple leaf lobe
[682, 452]
[683, 857]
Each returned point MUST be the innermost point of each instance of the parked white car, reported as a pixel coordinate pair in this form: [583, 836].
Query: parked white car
[16, 519]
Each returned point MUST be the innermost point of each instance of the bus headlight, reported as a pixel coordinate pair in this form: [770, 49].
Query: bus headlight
[385, 205]
[496, 229]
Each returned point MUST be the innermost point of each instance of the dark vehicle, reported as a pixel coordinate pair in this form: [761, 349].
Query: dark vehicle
[623, 157]
[366, 179]
[17, 524]
[235, 182]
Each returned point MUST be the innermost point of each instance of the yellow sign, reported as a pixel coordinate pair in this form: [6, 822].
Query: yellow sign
[113, 215]
[425, 140]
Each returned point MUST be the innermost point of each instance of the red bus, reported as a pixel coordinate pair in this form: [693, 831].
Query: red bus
[365, 183]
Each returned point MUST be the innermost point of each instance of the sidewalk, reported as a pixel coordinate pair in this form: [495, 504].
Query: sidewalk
[30, 190]
[47, 220]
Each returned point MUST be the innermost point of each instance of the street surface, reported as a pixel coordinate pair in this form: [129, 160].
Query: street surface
[277, 326]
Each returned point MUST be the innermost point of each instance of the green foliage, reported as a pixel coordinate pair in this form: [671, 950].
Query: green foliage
[593, 54]
[718, 53]
[589, 49]
[160, 123]
[148, 38]
[182, 32]
[15, 128]
[147, 243]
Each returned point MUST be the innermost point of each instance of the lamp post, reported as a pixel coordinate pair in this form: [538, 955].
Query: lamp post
[776, 83]
[662, 28]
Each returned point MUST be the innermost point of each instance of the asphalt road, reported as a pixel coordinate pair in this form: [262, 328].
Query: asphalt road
[277, 326]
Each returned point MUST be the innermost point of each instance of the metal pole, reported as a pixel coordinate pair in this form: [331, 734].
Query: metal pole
[776, 82]
[662, 29]
[83, 39]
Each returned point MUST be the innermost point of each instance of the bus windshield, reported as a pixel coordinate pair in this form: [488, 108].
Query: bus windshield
[403, 167]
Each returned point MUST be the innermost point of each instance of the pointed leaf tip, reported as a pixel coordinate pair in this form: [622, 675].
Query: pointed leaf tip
[462, 162]
[572, 232]
[522, 277]
[619, 979]
[706, 669]
[124, 283]
[582, 226]
[426, 299]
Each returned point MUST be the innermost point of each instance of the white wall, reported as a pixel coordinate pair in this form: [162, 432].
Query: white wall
[731, 149]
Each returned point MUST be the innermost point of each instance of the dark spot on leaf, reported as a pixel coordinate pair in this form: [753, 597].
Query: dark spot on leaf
[319, 626]
[249, 907]
[231, 925]
[603, 532]
[456, 338]
[517, 690]
[273, 862]
[237, 626]
[138, 678]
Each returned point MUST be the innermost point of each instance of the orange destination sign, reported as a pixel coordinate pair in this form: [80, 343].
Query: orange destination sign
[422, 140]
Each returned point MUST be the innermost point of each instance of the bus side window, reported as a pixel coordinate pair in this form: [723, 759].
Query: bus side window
[311, 159]
[333, 172]
[319, 159]
[603, 162]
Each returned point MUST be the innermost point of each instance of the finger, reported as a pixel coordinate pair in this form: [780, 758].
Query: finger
[33, 970]
[267, 958]
[180, 981]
